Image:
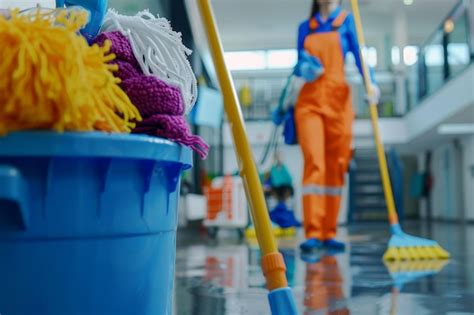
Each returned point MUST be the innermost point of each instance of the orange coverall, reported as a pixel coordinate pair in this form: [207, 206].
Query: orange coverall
[324, 117]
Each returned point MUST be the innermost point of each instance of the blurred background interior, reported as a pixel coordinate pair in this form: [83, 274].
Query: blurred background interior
[422, 54]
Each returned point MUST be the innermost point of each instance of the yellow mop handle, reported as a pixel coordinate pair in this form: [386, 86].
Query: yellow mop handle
[272, 262]
[387, 186]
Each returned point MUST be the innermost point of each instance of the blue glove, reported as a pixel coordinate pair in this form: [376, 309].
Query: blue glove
[309, 68]
[277, 117]
[375, 97]
[308, 72]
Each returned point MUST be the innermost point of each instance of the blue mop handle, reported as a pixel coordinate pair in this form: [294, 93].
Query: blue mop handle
[282, 302]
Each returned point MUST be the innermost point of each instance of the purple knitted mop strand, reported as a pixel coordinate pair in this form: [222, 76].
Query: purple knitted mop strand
[174, 128]
[161, 105]
[153, 96]
[120, 47]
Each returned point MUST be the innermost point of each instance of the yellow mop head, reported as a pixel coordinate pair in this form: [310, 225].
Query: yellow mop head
[50, 78]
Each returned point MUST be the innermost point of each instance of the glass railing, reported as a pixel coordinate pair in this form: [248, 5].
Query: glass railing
[388, 101]
[446, 53]
[265, 88]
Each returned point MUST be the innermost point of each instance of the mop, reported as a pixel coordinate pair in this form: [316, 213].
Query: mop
[280, 297]
[401, 245]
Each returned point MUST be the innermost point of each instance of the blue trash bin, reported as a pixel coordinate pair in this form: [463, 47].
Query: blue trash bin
[88, 223]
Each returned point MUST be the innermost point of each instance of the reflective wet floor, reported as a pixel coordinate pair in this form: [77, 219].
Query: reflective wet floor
[224, 277]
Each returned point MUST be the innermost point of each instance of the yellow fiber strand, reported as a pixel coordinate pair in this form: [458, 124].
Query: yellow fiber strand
[403, 253]
[415, 253]
[422, 253]
[391, 254]
[50, 78]
[441, 253]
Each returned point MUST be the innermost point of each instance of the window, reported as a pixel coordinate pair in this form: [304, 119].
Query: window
[246, 60]
[458, 54]
[434, 55]
[370, 54]
[261, 59]
[281, 59]
[410, 55]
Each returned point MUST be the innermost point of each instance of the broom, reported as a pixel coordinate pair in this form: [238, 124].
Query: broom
[401, 245]
[280, 297]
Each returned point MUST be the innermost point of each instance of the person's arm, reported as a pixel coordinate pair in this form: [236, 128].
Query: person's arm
[354, 46]
[303, 31]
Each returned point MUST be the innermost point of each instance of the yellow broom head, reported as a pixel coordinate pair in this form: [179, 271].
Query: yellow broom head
[403, 247]
[251, 233]
[50, 78]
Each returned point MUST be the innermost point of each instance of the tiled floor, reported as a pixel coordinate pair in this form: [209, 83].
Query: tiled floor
[224, 277]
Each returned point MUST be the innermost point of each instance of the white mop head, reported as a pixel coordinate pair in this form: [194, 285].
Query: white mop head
[158, 49]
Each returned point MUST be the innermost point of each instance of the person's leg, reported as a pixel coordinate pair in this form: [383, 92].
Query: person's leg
[338, 132]
[334, 186]
[310, 128]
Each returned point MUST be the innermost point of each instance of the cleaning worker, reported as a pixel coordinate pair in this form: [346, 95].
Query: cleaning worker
[324, 117]
[281, 184]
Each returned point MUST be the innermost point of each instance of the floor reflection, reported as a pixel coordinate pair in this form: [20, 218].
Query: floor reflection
[224, 277]
[324, 287]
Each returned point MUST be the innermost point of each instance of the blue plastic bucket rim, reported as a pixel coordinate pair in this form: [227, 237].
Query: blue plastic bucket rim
[93, 145]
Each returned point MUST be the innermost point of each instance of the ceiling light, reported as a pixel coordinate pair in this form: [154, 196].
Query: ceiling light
[449, 26]
[456, 129]
[408, 2]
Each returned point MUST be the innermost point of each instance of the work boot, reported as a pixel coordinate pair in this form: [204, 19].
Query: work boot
[311, 244]
[332, 244]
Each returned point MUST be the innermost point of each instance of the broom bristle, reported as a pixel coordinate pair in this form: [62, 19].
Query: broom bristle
[391, 254]
[415, 253]
[441, 252]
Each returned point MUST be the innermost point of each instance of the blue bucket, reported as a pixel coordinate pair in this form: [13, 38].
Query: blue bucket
[88, 223]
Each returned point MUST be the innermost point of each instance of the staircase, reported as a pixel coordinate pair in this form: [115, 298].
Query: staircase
[367, 202]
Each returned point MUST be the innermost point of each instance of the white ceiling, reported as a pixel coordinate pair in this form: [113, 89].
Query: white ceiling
[256, 24]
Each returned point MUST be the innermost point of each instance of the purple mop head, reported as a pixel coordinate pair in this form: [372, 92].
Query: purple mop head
[152, 96]
[120, 47]
[161, 105]
[174, 128]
